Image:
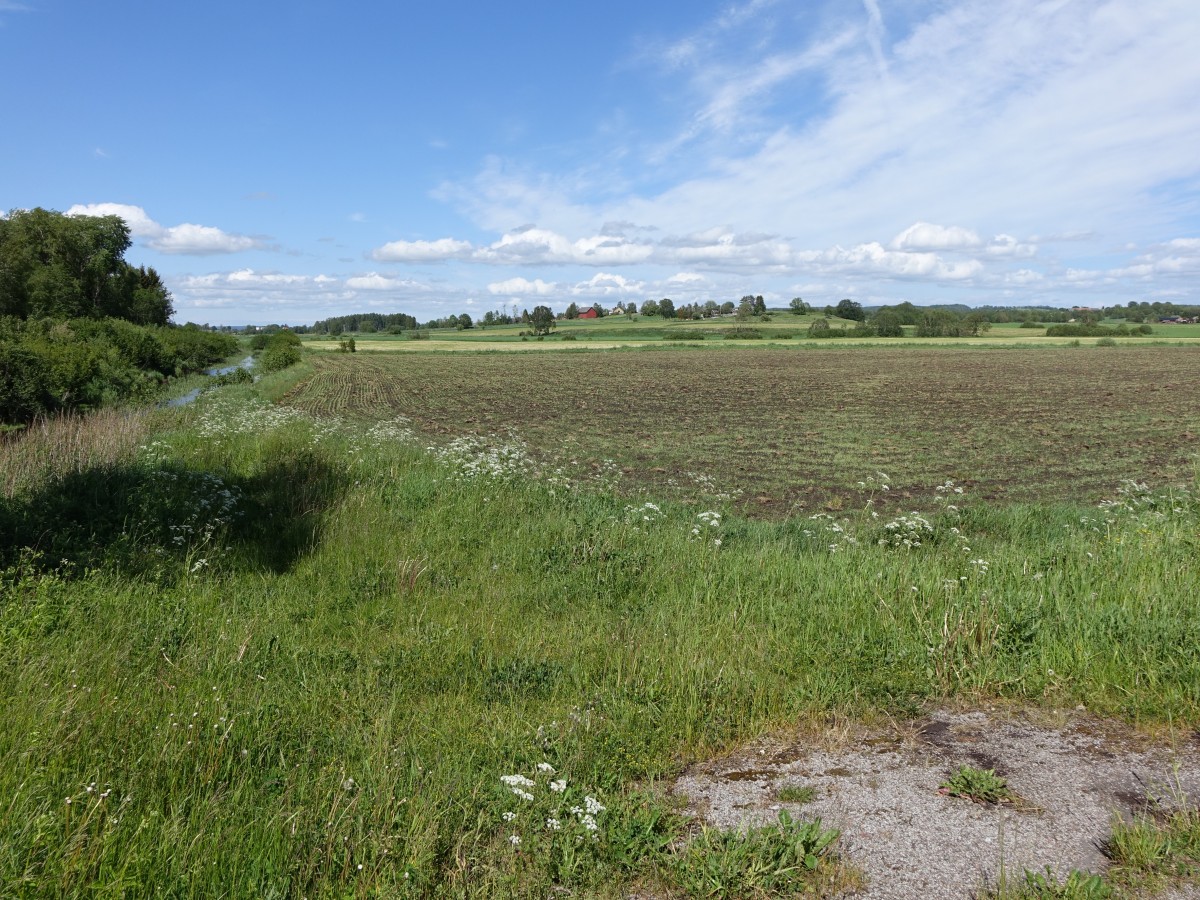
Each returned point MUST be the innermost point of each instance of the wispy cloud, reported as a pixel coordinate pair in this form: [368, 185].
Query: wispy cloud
[963, 130]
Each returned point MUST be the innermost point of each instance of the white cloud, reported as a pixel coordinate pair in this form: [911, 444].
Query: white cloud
[201, 240]
[923, 236]
[518, 287]
[376, 282]
[421, 251]
[872, 259]
[603, 284]
[1007, 245]
[186, 239]
[140, 224]
[1069, 120]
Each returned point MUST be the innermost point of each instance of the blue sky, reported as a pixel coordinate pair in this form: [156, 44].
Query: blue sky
[288, 162]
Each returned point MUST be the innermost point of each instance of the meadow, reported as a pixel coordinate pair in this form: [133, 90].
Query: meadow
[438, 626]
[783, 328]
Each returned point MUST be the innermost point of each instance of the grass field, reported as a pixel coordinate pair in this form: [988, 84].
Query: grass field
[619, 331]
[252, 649]
[797, 430]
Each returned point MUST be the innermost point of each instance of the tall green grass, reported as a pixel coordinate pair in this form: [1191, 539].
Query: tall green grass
[316, 691]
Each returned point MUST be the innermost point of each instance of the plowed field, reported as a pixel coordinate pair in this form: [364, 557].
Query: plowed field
[796, 430]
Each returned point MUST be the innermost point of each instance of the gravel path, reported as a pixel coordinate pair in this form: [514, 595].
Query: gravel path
[1073, 772]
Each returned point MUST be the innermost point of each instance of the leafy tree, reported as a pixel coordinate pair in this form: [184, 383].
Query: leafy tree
[976, 323]
[760, 306]
[939, 323]
[887, 324]
[849, 309]
[572, 312]
[58, 266]
[650, 308]
[464, 321]
[542, 319]
[798, 306]
[666, 308]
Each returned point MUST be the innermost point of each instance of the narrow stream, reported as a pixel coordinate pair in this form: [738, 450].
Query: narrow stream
[191, 395]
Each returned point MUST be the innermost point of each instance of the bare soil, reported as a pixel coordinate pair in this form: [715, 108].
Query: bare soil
[1074, 775]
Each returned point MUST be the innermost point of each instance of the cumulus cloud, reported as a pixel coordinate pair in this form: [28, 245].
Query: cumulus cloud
[201, 240]
[873, 259]
[422, 251]
[923, 236]
[603, 284]
[1007, 245]
[521, 286]
[186, 239]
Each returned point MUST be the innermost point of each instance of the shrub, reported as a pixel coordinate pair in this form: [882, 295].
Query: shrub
[684, 335]
[283, 350]
[742, 333]
[822, 329]
[24, 382]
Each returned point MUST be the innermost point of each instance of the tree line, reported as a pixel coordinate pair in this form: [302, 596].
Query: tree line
[80, 327]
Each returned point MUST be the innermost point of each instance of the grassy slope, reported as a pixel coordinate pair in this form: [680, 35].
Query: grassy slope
[378, 637]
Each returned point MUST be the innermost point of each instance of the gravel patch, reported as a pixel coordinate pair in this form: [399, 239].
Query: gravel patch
[1072, 772]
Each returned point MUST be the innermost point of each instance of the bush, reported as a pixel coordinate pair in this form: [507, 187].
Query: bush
[24, 382]
[821, 329]
[684, 335]
[1084, 329]
[1106, 342]
[742, 333]
[283, 350]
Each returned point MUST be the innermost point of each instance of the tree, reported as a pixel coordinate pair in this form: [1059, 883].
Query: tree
[650, 308]
[798, 306]
[887, 324]
[464, 321]
[58, 266]
[572, 312]
[760, 306]
[599, 310]
[745, 308]
[542, 320]
[666, 308]
[849, 309]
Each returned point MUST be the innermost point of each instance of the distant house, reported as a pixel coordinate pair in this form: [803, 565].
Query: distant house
[589, 314]
[616, 311]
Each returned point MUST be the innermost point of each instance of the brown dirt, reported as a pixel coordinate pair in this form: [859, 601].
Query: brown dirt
[794, 429]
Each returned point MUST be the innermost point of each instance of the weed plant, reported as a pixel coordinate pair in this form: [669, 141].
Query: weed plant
[980, 785]
[250, 652]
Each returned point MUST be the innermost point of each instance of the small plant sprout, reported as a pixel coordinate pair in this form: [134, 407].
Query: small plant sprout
[980, 785]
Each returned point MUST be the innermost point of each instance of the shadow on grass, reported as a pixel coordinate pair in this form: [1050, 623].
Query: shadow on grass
[141, 521]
